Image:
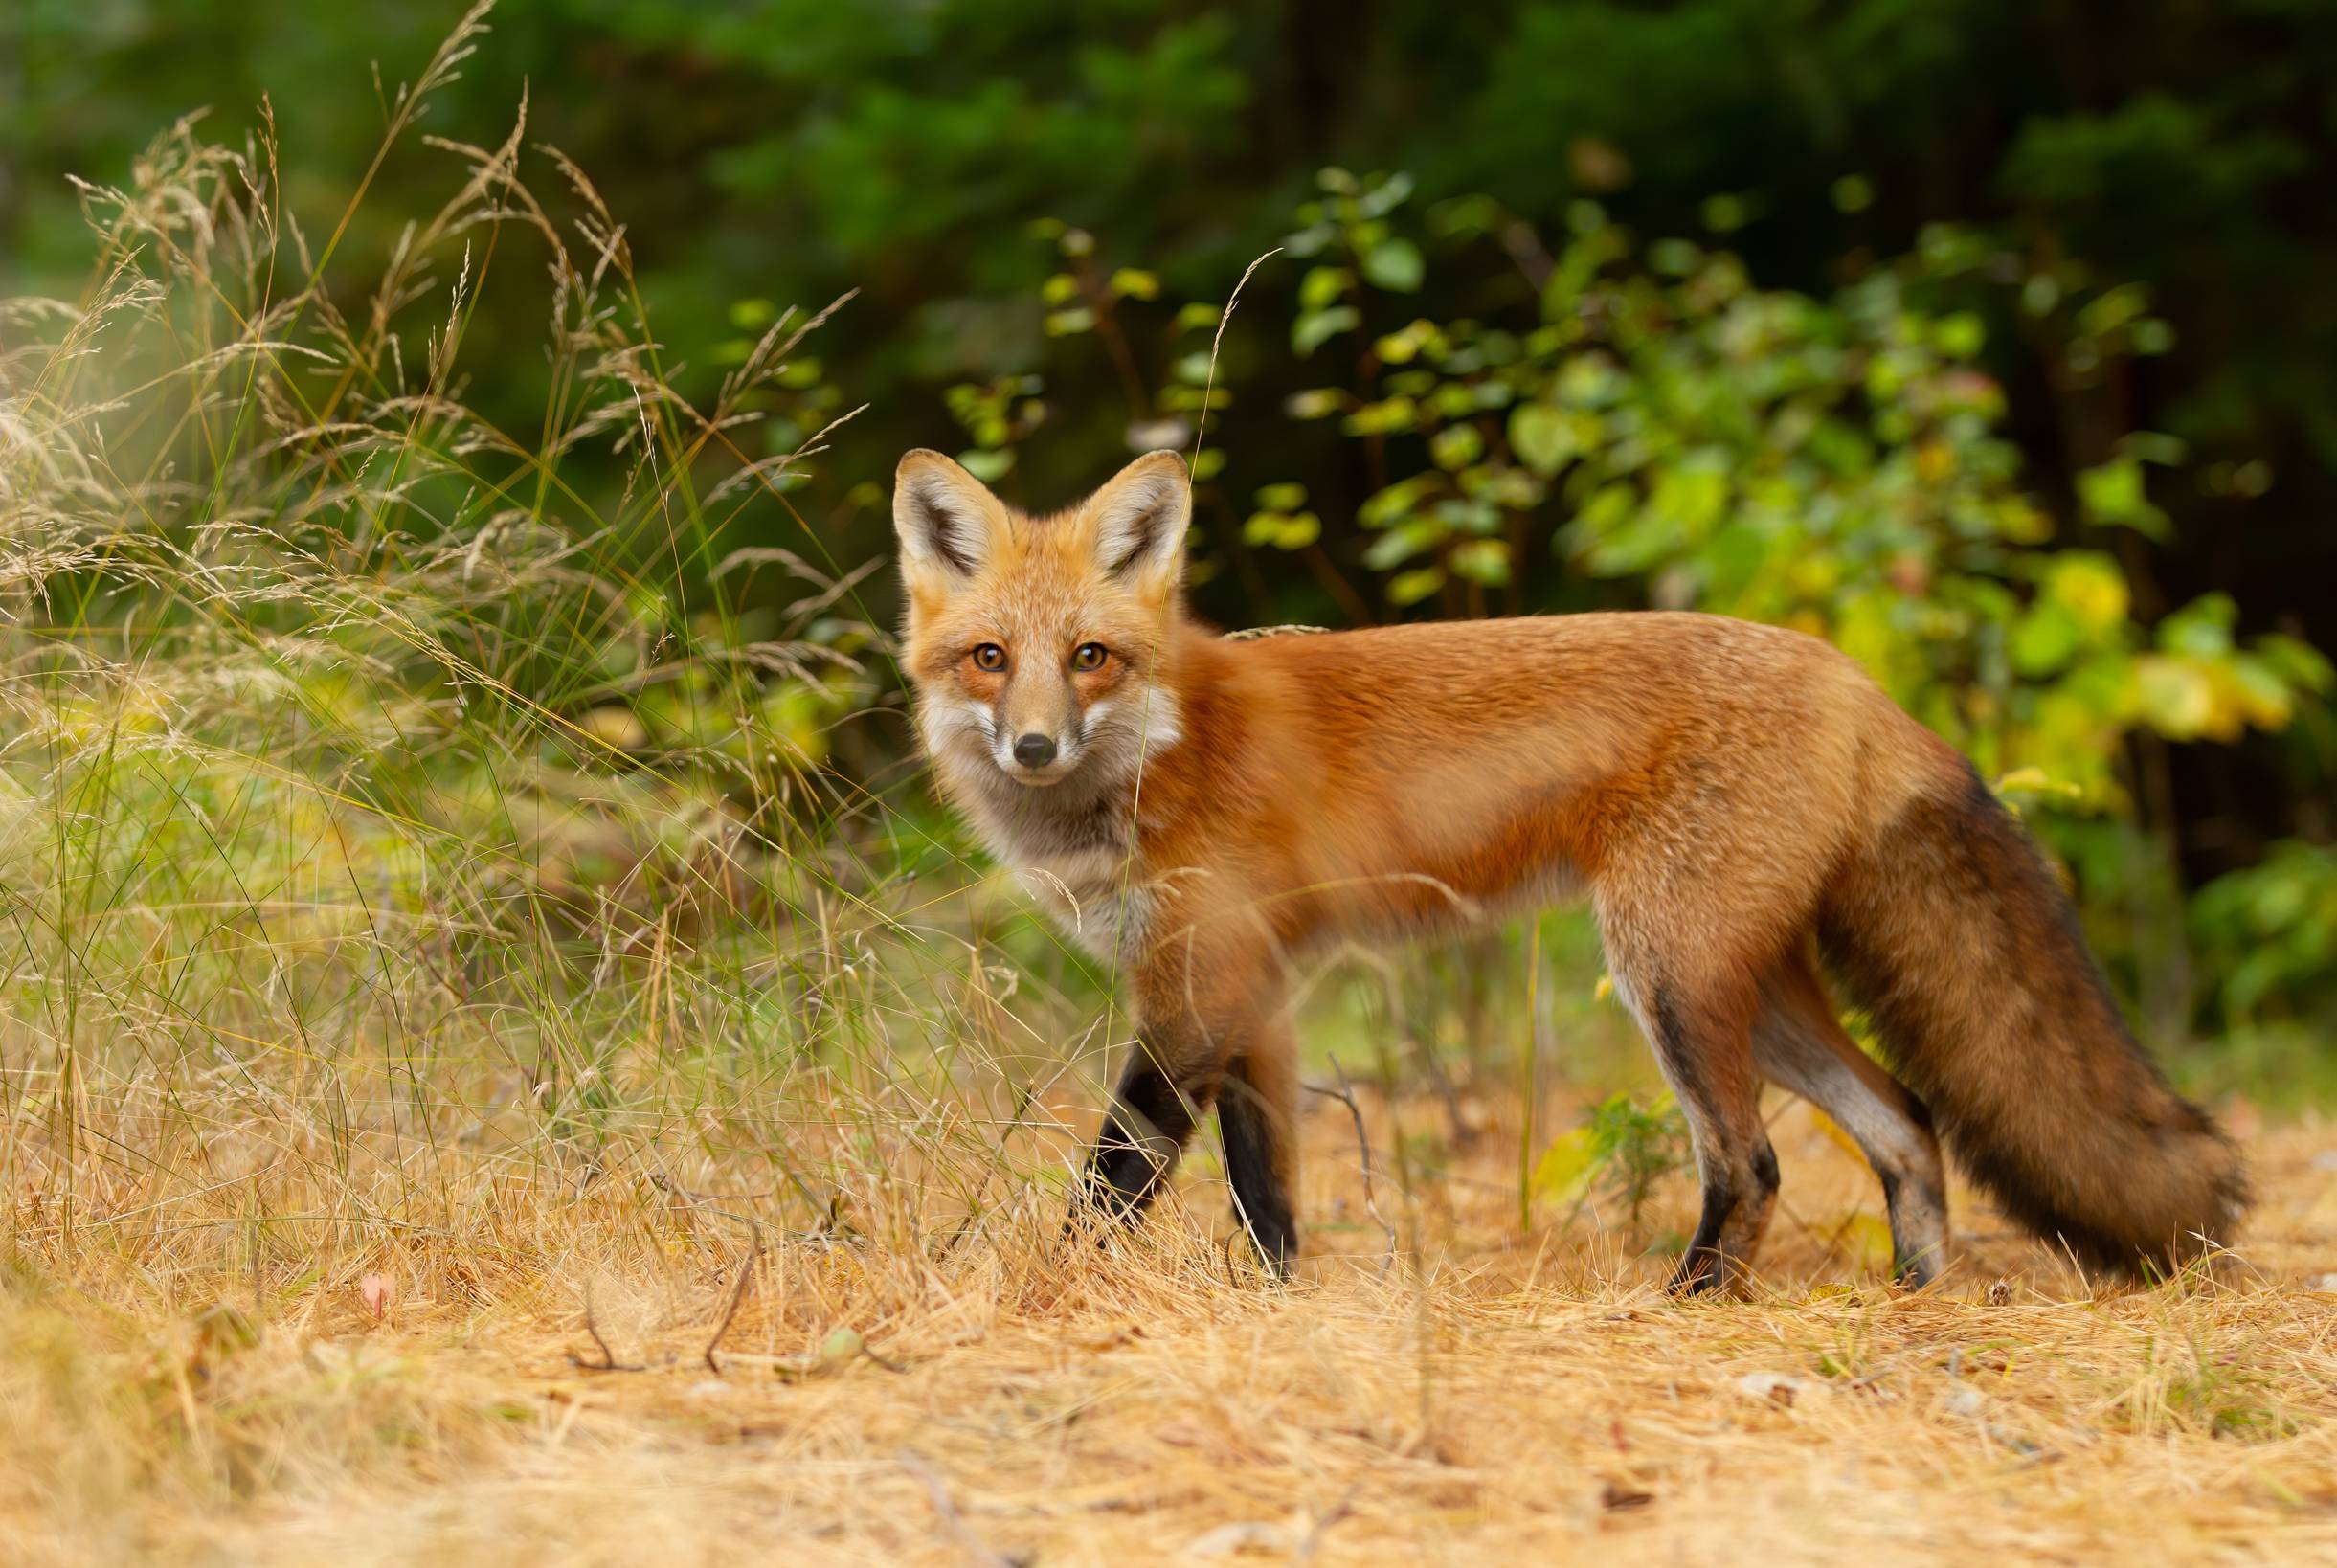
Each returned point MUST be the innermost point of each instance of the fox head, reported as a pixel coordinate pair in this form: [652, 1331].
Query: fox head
[1036, 644]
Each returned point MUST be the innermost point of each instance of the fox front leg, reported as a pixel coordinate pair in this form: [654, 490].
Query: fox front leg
[1210, 1022]
[1153, 1112]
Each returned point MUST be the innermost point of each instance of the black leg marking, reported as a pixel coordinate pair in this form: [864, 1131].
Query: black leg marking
[1765, 1171]
[1715, 1258]
[1734, 1179]
[1140, 1142]
[1672, 1044]
[1916, 1205]
[1151, 1117]
[1261, 1201]
[1700, 1267]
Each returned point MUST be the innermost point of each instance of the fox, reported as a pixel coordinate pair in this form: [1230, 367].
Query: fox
[1750, 817]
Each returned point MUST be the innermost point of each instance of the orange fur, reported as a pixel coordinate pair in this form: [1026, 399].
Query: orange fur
[1726, 794]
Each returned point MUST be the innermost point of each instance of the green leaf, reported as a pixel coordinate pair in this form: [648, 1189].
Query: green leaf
[1543, 436]
[1281, 531]
[1383, 507]
[1399, 544]
[2113, 494]
[1386, 417]
[1482, 561]
[989, 465]
[2202, 628]
[2298, 663]
[2046, 639]
[1959, 336]
[1397, 347]
[1395, 266]
[1321, 285]
[1312, 330]
[1456, 446]
[1414, 586]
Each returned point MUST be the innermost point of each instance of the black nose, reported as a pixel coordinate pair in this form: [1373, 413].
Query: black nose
[1034, 750]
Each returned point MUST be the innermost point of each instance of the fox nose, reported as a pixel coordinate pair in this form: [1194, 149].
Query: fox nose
[1034, 750]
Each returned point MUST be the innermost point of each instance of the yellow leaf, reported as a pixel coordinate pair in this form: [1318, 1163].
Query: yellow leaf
[2177, 697]
[2037, 781]
[1866, 1240]
[1565, 1167]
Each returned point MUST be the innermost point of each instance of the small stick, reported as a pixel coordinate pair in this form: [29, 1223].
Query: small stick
[1343, 1508]
[738, 1291]
[665, 1183]
[608, 1360]
[1346, 1095]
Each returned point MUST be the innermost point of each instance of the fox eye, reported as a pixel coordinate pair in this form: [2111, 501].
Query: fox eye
[1090, 656]
[989, 656]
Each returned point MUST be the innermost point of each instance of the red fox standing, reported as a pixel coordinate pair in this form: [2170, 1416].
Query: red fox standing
[1738, 802]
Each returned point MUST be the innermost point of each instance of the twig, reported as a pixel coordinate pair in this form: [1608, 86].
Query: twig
[608, 1361]
[738, 1291]
[976, 1551]
[1343, 1508]
[1346, 1095]
[665, 1183]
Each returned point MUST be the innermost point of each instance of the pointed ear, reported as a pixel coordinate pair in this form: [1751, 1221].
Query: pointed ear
[1138, 519]
[949, 522]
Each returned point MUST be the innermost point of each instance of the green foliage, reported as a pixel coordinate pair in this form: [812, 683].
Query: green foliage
[1623, 1148]
[2270, 932]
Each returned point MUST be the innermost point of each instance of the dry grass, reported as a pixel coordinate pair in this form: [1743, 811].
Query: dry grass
[1487, 1394]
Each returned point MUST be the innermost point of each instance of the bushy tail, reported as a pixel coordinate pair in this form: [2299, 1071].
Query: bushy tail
[1953, 934]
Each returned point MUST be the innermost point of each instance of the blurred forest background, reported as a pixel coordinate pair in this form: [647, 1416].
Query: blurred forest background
[1990, 338]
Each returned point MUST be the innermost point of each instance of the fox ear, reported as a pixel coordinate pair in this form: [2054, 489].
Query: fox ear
[1139, 518]
[948, 520]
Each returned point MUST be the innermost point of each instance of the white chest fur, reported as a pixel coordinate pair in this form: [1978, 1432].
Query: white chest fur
[1095, 896]
[1073, 847]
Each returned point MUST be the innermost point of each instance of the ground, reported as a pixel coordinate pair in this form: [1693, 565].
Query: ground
[1482, 1392]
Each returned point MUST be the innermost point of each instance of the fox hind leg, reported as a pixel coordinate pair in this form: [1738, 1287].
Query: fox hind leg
[1702, 1040]
[1799, 1043]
